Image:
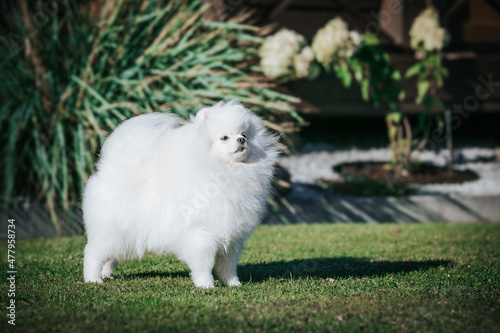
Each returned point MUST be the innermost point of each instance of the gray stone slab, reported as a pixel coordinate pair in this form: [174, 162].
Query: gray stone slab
[418, 208]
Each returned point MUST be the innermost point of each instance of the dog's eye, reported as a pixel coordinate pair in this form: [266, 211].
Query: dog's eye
[244, 135]
[224, 138]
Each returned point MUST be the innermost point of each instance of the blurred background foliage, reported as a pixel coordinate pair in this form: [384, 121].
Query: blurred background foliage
[72, 71]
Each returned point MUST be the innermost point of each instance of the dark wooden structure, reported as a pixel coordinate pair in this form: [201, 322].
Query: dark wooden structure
[474, 50]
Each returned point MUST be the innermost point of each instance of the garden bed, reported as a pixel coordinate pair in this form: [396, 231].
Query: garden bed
[421, 174]
[320, 192]
[475, 170]
[377, 179]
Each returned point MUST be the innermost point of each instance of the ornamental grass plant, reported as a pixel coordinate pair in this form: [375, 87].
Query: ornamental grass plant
[72, 71]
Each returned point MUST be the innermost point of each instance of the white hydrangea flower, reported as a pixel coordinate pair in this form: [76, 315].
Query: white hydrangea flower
[283, 55]
[302, 62]
[335, 41]
[426, 31]
[355, 37]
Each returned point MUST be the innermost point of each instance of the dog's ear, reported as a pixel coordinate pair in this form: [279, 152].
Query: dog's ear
[201, 115]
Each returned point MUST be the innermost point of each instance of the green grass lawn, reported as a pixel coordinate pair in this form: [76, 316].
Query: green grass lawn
[354, 277]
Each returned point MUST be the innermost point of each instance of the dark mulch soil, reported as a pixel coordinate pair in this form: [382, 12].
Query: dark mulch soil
[421, 174]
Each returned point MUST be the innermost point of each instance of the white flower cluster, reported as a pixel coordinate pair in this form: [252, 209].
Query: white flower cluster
[334, 41]
[285, 55]
[426, 32]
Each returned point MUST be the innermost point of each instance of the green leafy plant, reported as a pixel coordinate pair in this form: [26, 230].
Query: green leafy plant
[69, 82]
[427, 39]
[369, 65]
[430, 74]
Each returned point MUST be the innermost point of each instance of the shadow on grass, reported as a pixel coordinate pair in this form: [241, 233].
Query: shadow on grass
[332, 268]
[152, 274]
[315, 268]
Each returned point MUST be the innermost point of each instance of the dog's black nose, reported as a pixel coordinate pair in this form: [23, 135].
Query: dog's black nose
[241, 140]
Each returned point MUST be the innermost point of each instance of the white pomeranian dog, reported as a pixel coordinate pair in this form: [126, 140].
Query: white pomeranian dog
[193, 189]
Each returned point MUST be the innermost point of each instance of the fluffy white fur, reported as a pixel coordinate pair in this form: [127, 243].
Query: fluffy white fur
[195, 190]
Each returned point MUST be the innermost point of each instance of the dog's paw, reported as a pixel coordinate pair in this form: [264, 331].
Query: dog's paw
[235, 282]
[94, 280]
[203, 281]
[204, 285]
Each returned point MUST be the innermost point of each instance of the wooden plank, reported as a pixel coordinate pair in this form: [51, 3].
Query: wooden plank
[279, 8]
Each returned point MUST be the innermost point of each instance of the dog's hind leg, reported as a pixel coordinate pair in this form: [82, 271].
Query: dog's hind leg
[226, 262]
[107, 269]
[93, 262]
